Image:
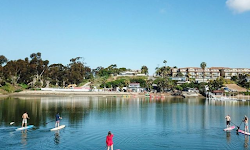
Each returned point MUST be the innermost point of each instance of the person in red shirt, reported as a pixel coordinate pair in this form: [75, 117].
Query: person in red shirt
[109, 140]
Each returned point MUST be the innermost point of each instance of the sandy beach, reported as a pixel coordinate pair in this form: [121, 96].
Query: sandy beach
[39, 93]
[58, 93]
[107, 93]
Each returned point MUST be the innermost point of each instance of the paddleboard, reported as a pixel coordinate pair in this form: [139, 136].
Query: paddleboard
[23, 128]
[57, 128]
[230, 128]
[243, 132]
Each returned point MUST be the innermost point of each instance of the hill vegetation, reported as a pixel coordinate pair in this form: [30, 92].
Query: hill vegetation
[34, 73]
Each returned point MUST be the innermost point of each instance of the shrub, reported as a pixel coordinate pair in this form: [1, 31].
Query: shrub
[18, 90]
[24, 86]
[8, 87]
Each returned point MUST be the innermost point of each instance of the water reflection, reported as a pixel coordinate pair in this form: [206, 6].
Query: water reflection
[24, 137]
[135, 119]
[57, 137]
[246, 141]
[228, 135]
[76, 109]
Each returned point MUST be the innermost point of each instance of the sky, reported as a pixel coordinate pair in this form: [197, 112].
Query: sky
[128, 33]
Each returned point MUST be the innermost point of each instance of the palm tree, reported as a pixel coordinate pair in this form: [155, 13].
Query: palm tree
[203, 66]
[158, 71]
[165, 62]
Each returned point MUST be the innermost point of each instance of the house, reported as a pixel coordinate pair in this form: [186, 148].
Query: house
[135, 87]
[180, 80]
[218, 92]
[131, 73]
[228, 73]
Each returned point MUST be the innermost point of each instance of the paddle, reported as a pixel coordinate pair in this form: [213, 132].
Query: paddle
[234, 123]
[49, 121]
[53, 120]
[241, 122]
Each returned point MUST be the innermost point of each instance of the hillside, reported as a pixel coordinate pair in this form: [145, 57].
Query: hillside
[235, 87]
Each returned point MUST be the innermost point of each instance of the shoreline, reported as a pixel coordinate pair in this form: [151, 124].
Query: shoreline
[70, 93]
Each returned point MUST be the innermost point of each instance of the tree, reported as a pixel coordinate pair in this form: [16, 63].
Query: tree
[158, 71]
[103, 81]
[149, 84]
[37, 68]
[144, 70]
[120, 85]
[203, 66]
[56, 74]
[242, 80]
[163, 83]
[179, 74]
[179, 88]
[163, 71]
[127, 82]
[215, 84]
[76, 70]
[165, 62]
[16, 71]
[3, 60]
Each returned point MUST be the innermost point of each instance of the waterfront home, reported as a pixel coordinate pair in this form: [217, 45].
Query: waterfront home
[218, 92]
[214, 72]
[180, 80]
[131, 73]
[211, 73]
[228, 73]
[135, 87]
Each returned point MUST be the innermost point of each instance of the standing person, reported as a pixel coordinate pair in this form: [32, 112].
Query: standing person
[57, 120]
[228, 119]
[109, 140]
[246, 123]
[25, 117]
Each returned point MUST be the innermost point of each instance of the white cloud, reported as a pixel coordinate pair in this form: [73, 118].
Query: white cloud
[238, 6]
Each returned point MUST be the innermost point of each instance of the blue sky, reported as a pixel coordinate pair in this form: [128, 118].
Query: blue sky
[129, 33]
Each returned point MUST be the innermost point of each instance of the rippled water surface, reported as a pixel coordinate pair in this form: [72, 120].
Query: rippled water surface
[137, 123]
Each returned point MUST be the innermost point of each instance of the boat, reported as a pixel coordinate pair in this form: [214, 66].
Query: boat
[211, 96]
[57, 128]
[23, 128]
[229, 128]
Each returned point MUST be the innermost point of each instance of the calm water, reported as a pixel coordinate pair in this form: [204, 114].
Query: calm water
[137, 123]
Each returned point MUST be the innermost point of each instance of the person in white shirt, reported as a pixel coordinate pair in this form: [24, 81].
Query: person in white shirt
[228, 119]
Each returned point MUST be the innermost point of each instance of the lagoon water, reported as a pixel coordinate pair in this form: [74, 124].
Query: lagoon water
[137, 123]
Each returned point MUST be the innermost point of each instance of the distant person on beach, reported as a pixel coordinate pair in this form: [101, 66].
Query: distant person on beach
[228, 119]
[109, 140]
[246, 123]
[25, 117]
[58, 120]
